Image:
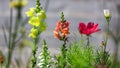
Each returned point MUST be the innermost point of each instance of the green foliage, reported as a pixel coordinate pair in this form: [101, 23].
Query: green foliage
[44, 58]
[61, 59]
[78, 56]
[102, 57]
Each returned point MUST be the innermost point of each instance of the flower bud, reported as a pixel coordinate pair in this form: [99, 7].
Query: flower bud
[107, 13]
[102, 43]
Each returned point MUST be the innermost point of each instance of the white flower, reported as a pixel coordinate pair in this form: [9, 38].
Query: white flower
[107, 13]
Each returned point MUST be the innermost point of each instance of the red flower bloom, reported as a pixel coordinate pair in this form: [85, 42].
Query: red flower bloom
[61, 30]
[88, 29]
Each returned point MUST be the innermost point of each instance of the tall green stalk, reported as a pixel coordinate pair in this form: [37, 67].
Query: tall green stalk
[13, 34]
[63, 54]
[61, 32]
[9, 43]
[34, 58]
[103, 56]
[88, 47]
[36, 19]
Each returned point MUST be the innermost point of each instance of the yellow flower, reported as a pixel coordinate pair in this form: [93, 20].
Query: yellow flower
[34, 33]
[35, 21]
[43, 26]
[18, 3]
[107, 13]
[30, 13]
[42, 14]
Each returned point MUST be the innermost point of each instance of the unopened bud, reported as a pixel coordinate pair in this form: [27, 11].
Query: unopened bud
[102, 43]
[107, 13]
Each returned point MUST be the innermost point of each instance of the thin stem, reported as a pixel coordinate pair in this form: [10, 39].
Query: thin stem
[10, 28]
[5, 36]
[64, 51]
[88, 40]
[10, 37]
[88, 46]
[16, 27]
[104, 48]
[106, 40]
[107, 35]
[34, 58]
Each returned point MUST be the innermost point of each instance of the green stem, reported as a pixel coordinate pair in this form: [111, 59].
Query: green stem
[64, 51]
[9, 58]
[88, 46]
[88, 40]
[17, 23]
[106, 40]
[13, 36]
[34, 58]
[9, 43]
[107, 34]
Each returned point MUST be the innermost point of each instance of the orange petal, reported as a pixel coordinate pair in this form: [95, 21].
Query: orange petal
[56, 34]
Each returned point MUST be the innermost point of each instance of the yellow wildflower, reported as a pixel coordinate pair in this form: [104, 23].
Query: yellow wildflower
[30, 12]
[41, 14]
[18, 3]
[35, 21]
[34, 33]
[43, 26]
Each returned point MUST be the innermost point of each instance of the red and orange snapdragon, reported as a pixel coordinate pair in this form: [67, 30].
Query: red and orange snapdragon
[61, 32]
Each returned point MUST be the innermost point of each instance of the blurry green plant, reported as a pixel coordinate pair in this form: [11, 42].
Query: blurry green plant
[14, 29]
[102, 58]
[36, 19]
[44, 59]
[78, 56]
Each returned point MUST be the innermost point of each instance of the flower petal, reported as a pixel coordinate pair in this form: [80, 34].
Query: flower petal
[81, 27]
[90, 25]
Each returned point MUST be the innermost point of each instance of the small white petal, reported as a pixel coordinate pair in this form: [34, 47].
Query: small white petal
[106, 13]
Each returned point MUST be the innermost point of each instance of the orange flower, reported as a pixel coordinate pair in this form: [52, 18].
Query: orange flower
[62, 29]
[57, 35]
[65, 31]
[1, 59]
